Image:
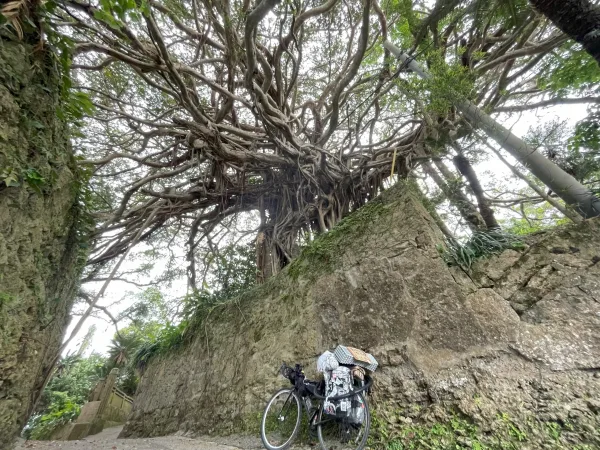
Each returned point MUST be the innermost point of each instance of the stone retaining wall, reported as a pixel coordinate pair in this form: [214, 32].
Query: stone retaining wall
[514, 341]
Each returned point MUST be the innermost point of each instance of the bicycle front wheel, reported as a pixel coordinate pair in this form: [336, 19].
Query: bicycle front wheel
[281, 420]
[345, 434]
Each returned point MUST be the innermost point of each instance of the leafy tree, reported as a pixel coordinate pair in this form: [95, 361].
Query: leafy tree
[217, 122]
[210, 121]
[148, 316]
[234, 271]
[62, 408]
[231, 272]
[123, 345]
[532, 217]
[65, 393]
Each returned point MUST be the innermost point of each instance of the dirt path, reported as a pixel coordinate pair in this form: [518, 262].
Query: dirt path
[107, 440]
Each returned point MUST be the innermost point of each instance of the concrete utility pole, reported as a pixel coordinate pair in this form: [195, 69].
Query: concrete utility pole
[564, 185]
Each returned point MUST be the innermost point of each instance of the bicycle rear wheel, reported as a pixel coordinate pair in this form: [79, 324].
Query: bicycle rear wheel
[344, 434]
[281, 420]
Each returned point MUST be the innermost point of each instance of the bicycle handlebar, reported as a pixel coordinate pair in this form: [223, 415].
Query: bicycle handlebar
[296, 377]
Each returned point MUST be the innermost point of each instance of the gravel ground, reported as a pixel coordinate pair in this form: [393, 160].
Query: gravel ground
[107, 440]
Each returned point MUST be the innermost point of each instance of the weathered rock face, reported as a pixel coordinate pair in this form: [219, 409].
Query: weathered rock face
[38, 248]
[514, 343]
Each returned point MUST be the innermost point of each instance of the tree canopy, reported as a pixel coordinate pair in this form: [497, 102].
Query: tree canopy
[203, 123]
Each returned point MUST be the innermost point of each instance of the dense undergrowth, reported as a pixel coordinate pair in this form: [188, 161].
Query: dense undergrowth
[65, 393]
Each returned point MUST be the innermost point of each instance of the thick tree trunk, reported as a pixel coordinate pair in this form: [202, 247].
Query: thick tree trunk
[566, 187]
[463, 165]
[40, 253]
[579, 19]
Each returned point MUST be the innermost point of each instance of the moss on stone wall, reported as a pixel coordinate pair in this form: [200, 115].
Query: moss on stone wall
[324, 254]
[41, 248]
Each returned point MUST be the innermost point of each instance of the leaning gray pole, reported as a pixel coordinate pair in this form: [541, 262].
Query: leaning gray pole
[564, 185]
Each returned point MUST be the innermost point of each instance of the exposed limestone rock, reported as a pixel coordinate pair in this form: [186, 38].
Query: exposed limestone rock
[38, 245]
[512, 349]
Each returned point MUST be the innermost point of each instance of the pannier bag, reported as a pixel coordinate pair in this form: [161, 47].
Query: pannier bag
[339, 383]
[357, 413]
[342, 370]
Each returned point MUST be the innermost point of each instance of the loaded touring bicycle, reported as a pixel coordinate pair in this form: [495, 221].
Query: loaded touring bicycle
[336, 407]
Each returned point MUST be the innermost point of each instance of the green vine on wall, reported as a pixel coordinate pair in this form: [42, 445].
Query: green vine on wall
[51, 64]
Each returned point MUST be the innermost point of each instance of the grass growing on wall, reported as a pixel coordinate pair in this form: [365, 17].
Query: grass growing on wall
[390, 430]
[479, 245]
[321, 255]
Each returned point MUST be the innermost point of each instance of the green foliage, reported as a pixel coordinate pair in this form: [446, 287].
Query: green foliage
[583, 150]
[150, 321]
[29, 176]
[149, 311]
[570, 71]
[169, 338]
[233, 273]
[449, 83]
[123, 346]
[34, 180]
[75, 107]
[456, 433]
[64, 394]
[63, 409]
[115, 12]
[6, 299]
[577, 151]
[540, 216]
[512, 428]
[479, 245]
[10, 177]
[587, 135]
[407, 23]
[86, 200]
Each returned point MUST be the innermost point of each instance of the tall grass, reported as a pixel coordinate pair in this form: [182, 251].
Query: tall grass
[480, 244]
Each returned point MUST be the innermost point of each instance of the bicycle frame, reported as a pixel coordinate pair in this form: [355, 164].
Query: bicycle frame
[303, 390]
[306, 394]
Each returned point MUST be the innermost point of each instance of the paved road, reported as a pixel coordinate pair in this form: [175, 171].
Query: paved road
[107, 440]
